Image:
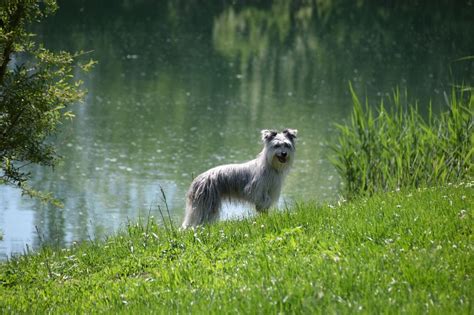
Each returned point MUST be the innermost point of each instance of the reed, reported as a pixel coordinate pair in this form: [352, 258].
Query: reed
[393, 146]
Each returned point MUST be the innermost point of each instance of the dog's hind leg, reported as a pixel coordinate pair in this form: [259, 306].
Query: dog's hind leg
[214, 211]
[190, 218]
[201, 211]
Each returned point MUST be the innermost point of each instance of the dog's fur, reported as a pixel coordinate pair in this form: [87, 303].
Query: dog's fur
[257, 181]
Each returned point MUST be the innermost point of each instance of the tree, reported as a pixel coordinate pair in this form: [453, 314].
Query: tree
[36, 87]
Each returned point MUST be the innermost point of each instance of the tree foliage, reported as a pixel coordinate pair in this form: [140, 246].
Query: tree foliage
[36, 87]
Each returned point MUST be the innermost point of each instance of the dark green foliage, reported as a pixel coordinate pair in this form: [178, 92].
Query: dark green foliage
[36, 85]
[397, 147]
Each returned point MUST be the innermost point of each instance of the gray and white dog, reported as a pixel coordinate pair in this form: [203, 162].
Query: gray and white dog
[257, 181]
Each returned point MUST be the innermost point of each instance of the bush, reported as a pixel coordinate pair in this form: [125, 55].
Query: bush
[36, 86]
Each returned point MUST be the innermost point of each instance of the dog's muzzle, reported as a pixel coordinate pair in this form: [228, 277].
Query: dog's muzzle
[282, 157]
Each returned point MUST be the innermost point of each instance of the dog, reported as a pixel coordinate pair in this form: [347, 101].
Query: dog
[258, 181]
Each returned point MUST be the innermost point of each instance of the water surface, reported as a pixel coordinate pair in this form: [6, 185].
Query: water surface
[182, 86]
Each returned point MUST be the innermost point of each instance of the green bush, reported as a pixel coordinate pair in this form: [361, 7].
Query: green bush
[36, 87]
[395, 146]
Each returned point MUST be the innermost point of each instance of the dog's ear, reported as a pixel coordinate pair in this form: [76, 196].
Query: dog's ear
[268, 135]
[290, 133]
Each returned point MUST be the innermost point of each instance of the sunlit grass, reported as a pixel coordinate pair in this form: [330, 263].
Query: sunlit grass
[395, 146]
[399, 252]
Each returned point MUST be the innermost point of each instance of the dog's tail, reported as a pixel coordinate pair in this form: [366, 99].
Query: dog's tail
[202, 203]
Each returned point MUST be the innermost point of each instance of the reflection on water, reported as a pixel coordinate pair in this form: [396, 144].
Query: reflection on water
[183, 86]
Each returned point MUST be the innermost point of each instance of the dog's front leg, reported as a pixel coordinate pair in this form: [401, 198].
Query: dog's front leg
[264, 204]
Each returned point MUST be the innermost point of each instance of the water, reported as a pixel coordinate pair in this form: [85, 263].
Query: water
[182, 86]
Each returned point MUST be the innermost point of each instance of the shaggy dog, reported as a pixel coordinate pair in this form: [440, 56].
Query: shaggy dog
[257, 181]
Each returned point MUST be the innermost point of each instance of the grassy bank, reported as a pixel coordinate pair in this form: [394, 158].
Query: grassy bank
[407, 251]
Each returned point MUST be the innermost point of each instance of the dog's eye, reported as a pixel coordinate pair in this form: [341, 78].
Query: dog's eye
[277, 145]
[287, 145]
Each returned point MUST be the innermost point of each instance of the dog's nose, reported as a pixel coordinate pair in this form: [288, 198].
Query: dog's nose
[284, 154]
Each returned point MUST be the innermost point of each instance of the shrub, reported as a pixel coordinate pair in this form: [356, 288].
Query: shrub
[36, 87]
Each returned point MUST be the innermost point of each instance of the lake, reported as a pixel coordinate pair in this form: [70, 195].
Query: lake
[182, 86]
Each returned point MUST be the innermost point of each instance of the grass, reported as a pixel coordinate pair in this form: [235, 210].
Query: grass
[395, 146]
[408, 251]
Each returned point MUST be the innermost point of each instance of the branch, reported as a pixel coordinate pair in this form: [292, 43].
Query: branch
[13, 123]
[8, 50]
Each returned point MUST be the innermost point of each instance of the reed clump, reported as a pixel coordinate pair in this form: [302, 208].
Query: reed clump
[394, 146]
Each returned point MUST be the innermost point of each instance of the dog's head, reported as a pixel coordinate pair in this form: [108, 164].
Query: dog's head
[279, 147]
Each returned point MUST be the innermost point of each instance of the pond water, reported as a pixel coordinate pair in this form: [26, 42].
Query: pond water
[182, 86]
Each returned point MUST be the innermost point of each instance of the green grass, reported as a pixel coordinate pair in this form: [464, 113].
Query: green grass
[395, 146]
[398, 252]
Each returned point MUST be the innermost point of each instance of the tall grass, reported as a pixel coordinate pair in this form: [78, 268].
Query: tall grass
[395, 146]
